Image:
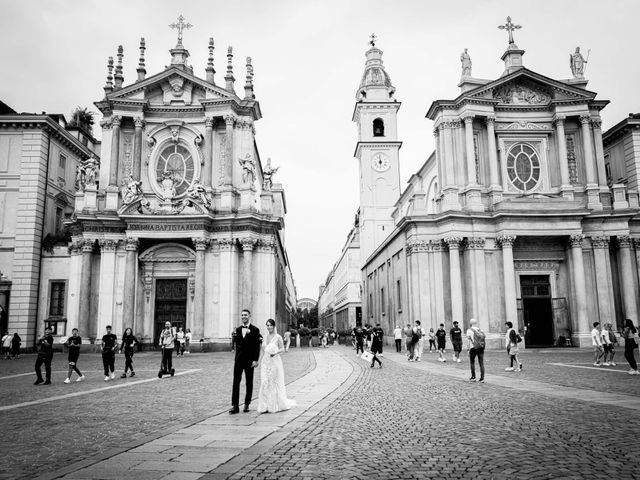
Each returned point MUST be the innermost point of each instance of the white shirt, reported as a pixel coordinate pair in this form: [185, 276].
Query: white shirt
[470, 335]
[245, 330]
[596, 337]
[606, 337]
[397, 333]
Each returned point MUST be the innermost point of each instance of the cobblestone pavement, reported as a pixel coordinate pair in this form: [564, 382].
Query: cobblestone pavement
[44, 437]
[558, 418]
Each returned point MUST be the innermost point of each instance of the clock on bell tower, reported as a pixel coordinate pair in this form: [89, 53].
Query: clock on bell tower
[377, 152]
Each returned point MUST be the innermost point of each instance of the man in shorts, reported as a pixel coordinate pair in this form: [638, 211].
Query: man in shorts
[456, 340]
[441, 338]
[596, 341]
[73, 344]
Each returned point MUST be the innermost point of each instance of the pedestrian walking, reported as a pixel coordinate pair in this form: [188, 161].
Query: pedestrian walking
[456, 340]
[441, 338]
[180, 342]
[511, 343]
[73, 344]
[109, 345]
[432, 340]
[408, 338]
[287, 340]
[376, 344]
[417, 341]
[377, 330]
[187, 341]
[397, 336]
[596, 341]
[369, 335]
[16, 341]
[129, 341]
[476, 341]
[167, 344]
[248, 342]
[630, 335]
[359, 335]
[6, 345]
[44, 345]
[609, 342]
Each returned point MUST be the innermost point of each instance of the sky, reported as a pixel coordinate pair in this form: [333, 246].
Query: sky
[308, 59]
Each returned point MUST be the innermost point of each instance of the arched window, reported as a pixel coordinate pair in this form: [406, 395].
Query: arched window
[378, 128]
[523, 167]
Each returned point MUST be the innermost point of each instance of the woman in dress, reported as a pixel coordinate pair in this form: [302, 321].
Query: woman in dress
[273, 395]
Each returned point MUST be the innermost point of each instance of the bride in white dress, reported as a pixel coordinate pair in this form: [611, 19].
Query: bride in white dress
[273, 395]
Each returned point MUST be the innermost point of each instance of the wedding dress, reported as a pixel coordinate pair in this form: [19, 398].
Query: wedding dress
[273, 395]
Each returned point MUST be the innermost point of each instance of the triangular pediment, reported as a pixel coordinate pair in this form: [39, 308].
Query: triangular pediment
[525, 87]
[174, 86]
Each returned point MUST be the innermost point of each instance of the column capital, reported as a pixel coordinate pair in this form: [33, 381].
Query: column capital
[468, 118]
[585, 118]
[209, 122]
[247, 244]
[600, 241]
[75, 247]
[596, 122]
[225, 244]
[106, 124]
[636, 242]
[266, 245]
[108, 245]
[624, 241]
[131, 244]
[201, 243]
[559, 119]
[138, 122]
[490, 119]
[453, 242]
[576, 240]
[229, 120]
[436, 132]
[475, 243]
[116, 120]
[87, 245]
[506, 241]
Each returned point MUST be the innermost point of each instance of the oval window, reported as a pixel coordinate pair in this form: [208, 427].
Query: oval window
[523, 167]
[176, 160]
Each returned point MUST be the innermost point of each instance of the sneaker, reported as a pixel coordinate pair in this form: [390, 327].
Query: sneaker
[173, 372]
[458, 360]
[633, 372]
[380, 364]
[113, 375]
[124, 375]
[472, 379]
[132, 374]
[481, 380]
[47, 382]
[38, 381]
[519, 366]
[613, 364]
[106, 378]
[606, 364]
[597, 364]
[518, 370]
[509, 369]
[79, 379]
[444, 360]
[453, 357]
[67, 381]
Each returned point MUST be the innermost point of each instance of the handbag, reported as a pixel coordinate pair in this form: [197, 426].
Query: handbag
[367, 356]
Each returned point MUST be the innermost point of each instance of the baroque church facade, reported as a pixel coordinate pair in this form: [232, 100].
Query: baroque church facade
[178, 220]
[514, 217]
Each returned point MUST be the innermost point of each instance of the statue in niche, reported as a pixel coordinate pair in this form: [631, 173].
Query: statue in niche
[198, 192]
[81, 176]
[168, 186]
[132, 190]
[248, 165]
[577, 63]
[91, 172]
[465, 59]
[267, 176]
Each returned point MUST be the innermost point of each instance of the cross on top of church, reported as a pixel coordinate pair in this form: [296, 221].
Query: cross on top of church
[509, 27]
[372, 42]
[180, 25]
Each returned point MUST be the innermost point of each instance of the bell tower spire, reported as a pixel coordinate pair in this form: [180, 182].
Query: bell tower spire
[377, 151]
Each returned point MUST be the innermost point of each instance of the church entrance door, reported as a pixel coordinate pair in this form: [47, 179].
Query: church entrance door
[537, 310]
[171, 304]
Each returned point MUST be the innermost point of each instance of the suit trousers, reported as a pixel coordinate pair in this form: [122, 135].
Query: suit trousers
[238, 368]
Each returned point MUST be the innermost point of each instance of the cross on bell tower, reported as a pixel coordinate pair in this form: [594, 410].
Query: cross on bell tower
[510, 27]
[180, 26]
[179, 54]
[512, 57]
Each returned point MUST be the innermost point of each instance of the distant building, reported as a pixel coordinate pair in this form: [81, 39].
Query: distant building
[306, 303]
[339, 304]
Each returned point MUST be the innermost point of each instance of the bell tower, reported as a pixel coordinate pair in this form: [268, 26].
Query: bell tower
[377, 151]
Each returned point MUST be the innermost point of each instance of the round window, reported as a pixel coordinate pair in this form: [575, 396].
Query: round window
[523, 167]
[178, 162]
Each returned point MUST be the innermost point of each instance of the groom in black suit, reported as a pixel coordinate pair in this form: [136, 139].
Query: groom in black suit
[247, 345]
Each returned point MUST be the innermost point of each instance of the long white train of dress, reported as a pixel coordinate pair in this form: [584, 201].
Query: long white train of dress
[273, 395]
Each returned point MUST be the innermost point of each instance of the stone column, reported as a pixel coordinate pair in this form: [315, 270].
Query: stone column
[471, 159]
[230, 159]
[130, 275]
[588, 148]
[579, 283]
[198, 297]
[447, 156]
[603, 279]
[106, 297]
[510, 304]
[456, 280]
[493, 153]
[436, 134]
[562, 150]
[597, 137]
[137, 147]
[115, 150]
[207, 170]
[629, 296]
[247, 272]
[86, 325]
[479, 286]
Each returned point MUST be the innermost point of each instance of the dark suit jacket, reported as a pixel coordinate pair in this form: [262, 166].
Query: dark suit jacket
[248, 347]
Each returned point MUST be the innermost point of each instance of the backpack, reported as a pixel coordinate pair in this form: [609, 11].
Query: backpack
[415, 338]
[478, 338]
[518, 338]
